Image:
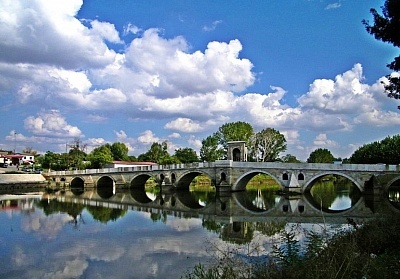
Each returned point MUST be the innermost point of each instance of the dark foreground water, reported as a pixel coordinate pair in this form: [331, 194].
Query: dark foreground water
[138, 235]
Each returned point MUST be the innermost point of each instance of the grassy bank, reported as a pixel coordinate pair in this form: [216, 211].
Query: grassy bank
[366, 251]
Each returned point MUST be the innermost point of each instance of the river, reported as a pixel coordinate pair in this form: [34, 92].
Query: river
[79, 234]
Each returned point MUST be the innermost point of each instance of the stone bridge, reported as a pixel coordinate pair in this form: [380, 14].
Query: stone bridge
[228, 175]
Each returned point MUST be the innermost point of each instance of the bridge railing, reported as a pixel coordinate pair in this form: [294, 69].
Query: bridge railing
[185, 166]
[134, 169]
[317, 166]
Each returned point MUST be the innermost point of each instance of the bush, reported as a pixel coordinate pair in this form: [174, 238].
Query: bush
[366, 251]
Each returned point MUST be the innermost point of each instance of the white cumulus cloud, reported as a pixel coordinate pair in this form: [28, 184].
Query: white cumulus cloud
[51, 123]
[184, 125]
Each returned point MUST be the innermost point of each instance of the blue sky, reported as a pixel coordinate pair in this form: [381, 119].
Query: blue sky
[140, 72]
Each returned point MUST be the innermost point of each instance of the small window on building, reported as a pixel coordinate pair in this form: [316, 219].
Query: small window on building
[300, 176]
[285, 176]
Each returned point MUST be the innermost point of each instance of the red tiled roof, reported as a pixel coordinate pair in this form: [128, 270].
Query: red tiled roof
[14, 156]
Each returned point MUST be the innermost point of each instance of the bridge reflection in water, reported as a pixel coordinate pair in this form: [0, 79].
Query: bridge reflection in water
[248, 206]
[169, 230]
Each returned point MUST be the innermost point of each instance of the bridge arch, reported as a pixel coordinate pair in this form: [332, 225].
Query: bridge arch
[308, 184]
[394, 182]
[241, 182]
[105, 187]
[139, 181]
[77, 182]
[184, 180]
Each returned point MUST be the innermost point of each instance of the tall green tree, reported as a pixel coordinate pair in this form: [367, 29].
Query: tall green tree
[386, 28]
[100, 156]
[386, 151]
[158, 153]
[235, 131]
[119, 151]
[210, 150]
[321, 155]
[289, 158]
[186, 155]
[269, 143]
[54, 161]
[76, 154]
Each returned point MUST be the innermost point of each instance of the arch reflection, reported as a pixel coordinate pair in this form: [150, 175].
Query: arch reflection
[257, 201]
[333, 193]
[190, 200]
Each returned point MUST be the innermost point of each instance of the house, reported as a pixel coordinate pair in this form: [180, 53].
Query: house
[127, 164]
[19, 159]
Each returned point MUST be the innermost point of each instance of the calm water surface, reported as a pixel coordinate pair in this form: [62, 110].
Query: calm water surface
[130, 235]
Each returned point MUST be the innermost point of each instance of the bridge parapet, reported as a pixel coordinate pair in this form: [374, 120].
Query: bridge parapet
[230, 163]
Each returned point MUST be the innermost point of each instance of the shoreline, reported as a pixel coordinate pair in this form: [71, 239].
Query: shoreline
[19, 181]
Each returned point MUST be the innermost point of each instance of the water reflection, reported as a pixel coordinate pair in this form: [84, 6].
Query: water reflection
[142, 196]
[394, 196]
[332, 193]
[106, 192]
[132, 234]
[78, 191]
[257, 201]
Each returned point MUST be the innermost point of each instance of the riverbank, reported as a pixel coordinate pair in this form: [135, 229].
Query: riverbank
[21, 181]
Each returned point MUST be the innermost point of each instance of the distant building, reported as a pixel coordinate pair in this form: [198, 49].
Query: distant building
[126, 164]
[19, 159]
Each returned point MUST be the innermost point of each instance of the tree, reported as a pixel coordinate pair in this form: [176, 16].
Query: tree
[269, 143]
[289, 158]
[321, 155]
[235, 131]
[386, 28]
[100, 156]
[386, 151]
[76, 154]
[210, 150]
[29, 150]
[186, 155]
[54, 161]
[119, 151]
[158, 154]
[48, 160]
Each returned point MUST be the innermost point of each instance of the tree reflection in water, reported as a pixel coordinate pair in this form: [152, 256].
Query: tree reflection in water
[334, 193]
[163, 231]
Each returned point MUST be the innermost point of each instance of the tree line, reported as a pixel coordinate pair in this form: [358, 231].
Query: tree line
[263, 146]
